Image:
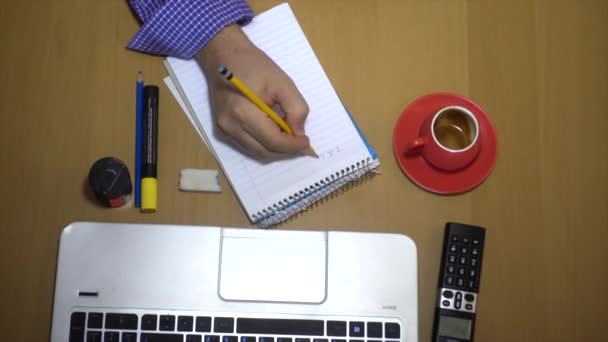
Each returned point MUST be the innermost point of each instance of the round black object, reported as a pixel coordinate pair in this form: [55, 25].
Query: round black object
[110, 181]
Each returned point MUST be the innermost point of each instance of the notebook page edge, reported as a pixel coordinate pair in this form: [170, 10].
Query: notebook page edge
[180, 101]
[177, 84]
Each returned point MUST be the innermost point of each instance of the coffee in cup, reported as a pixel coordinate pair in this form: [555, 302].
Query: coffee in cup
[448, 139]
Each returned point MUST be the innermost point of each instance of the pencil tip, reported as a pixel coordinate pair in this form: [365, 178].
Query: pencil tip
[312, 152]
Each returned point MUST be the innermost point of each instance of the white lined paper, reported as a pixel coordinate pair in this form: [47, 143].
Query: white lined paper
[329, 127]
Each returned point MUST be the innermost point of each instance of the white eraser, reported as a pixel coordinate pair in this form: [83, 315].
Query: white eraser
[199, 180]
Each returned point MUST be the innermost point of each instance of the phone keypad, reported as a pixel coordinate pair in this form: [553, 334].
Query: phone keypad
[462, 266]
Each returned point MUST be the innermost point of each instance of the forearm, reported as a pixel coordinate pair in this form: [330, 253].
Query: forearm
[229, 41]
[181, 28]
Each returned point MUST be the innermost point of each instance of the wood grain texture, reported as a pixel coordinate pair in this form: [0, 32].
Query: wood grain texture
[539, 68]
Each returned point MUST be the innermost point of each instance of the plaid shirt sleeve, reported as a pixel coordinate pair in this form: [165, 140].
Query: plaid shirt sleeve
[180, 28]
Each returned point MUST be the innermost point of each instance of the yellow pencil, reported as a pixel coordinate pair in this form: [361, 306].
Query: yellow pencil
[258, 102]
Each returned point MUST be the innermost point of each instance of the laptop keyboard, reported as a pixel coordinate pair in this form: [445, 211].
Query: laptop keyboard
[187, 327]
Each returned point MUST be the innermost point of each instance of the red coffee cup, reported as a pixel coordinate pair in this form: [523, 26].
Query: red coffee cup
[448, 139]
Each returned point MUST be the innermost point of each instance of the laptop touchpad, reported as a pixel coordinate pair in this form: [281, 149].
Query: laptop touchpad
[272, 266]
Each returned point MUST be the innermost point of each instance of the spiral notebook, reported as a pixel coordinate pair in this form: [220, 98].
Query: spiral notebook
[271, 192]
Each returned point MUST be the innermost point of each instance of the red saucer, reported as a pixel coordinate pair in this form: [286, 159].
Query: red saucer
[427, 176]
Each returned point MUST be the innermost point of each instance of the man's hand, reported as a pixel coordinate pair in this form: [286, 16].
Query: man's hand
[238, 117]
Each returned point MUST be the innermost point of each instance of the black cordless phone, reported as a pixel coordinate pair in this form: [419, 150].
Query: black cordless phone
[458, 288]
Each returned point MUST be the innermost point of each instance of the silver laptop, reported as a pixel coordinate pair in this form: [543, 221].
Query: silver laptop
[165, 283]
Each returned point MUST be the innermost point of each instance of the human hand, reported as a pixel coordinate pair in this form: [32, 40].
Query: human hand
[236, 115]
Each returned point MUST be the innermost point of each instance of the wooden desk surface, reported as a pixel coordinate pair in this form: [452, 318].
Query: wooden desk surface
[539, 68]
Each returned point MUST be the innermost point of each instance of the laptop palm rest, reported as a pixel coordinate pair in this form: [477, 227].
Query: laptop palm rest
[273, 267]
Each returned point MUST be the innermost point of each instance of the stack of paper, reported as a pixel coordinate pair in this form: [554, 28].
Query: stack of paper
[271, 192]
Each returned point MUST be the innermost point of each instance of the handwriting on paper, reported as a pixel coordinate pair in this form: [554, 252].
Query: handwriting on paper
[327, 154]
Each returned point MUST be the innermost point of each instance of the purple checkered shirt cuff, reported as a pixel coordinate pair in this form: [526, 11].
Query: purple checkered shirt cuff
[180, 28]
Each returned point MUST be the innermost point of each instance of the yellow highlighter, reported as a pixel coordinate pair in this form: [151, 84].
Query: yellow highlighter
[248, 93]
[149, 184]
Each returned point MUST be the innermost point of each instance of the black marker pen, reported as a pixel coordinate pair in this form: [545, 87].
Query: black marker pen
[149, 185]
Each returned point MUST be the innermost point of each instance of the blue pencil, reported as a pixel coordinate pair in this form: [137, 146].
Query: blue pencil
[139, 117]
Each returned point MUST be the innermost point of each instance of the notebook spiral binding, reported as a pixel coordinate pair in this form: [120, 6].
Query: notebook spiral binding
[302, 199]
